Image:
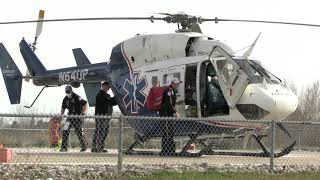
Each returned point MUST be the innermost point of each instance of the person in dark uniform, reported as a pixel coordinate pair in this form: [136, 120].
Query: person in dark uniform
[76, 106]
[169, 110]
[104, 106]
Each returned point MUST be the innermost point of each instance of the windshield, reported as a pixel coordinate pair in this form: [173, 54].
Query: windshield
[257, 72]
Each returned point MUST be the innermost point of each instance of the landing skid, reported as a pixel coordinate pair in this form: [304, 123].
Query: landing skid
[153, 153]
[184, 153]
[208, 148]
[265, 153]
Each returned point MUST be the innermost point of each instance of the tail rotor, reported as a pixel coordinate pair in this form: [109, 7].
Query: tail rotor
[38, 32]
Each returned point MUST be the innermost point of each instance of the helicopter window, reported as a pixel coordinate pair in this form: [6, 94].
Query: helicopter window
[176, 75]
[132, 58]
[165, 77]
[226, 69]
[274, 79]
[247, 109]
[256, 72]
[154, 80]
[255, 77]
[187, 49]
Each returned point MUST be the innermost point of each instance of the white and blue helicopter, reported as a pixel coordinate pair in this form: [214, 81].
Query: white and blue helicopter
[217, 84]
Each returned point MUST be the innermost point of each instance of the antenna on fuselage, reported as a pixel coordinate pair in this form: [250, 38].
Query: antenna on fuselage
[249, 51]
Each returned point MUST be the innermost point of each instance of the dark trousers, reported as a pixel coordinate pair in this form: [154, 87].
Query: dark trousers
[167, 142]
[100, 133]
[77, 124]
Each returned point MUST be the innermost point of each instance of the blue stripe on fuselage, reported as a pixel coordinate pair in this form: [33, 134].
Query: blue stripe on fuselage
[127, 85]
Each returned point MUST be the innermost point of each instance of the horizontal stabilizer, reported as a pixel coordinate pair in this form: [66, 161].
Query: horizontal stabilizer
[11, 75]
[91, 90]
[81, 58]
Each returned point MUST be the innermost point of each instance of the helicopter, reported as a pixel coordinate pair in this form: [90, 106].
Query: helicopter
[216, 83]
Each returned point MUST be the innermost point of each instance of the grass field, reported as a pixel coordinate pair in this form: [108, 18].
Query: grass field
[229, 175]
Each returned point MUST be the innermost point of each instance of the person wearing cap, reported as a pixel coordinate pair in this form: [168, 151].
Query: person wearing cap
[169, 110]
[76, 106]
[104, 106]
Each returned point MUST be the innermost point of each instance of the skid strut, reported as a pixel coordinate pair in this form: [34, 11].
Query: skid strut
[208, 147]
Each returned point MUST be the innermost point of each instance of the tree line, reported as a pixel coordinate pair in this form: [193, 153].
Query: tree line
[309, 97]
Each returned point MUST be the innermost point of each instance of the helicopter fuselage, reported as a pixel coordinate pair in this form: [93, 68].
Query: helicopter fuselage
[147, 59]
[216, 83]
[209, 89]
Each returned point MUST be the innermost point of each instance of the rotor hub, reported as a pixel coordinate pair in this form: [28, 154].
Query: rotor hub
[184, 20]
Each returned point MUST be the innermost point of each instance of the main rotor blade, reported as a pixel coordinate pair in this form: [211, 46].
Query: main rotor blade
[216, 20]
[83, 19]
[166, 14]
[170, 19]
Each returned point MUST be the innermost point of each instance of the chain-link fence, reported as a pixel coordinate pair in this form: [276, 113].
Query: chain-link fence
[156, 141]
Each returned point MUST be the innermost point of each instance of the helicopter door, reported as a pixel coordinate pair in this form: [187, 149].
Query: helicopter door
[200, 88]
[232, 79]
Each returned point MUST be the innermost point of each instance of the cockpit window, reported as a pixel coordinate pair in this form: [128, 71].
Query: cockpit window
[257, 72]
[274, 79]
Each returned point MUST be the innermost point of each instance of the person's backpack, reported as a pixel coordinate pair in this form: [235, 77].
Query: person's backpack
[154, 99]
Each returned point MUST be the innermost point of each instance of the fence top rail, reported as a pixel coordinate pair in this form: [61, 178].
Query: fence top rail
[47, 129]
[215, 119]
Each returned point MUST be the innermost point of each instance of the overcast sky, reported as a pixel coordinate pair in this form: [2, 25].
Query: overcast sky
[290, 52]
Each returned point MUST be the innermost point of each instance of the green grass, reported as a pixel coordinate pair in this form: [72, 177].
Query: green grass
[229, 175]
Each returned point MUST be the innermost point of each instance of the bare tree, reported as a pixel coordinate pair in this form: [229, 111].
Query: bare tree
[27, 122]
[308, 108]
[296, 115]
[310, 102]
[290, 85]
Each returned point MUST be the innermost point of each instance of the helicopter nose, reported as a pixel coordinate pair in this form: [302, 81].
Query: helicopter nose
[286, 102]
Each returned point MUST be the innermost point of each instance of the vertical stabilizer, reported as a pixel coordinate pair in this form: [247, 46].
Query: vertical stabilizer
[11, 75]
[81, 58]
[91, 90]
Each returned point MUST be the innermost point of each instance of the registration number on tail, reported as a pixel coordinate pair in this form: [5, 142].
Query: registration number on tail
[77, 75]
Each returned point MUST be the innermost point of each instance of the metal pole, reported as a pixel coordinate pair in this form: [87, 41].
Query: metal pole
[272, 148]
[120, 144]
[299, 140]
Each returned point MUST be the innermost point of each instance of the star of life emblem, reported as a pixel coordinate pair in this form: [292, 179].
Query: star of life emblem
[135, 98]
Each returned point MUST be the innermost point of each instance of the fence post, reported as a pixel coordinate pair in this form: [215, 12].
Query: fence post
[272, 148]
[120, 144]
[299, 140]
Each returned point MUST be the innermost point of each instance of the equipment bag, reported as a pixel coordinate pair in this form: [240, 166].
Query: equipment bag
[54, 131]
